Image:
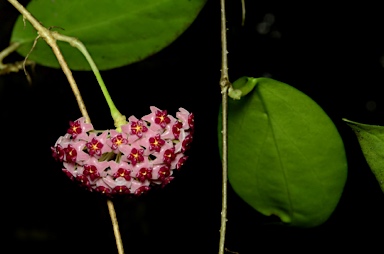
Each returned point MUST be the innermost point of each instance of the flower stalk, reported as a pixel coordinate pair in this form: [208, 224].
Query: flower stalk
[116, 115]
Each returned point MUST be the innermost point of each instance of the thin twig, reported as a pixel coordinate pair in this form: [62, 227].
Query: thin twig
[224, 84]
[12, 67]
[6, 52]
[48, 36]
[242, 12]
[112, 213]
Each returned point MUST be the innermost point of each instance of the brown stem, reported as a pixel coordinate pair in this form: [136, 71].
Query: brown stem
[112, 213]
[224, 84]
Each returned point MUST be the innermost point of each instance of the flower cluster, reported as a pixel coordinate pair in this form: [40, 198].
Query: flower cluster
[142, 155]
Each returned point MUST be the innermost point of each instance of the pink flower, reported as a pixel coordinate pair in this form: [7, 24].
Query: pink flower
[122, 172]
[183, 116]
[91, 171]
[70, 154]
[113, 183]
[162, 118]
[158, 119]
[97, 144]
[102, 187]
[79, 146]
[144, 174]
[137, 185]
[169, 155]
[94, 147]
[79, 128]
[74, 128]
[58, 153]
[121, 190]
[143, 155]
[155, 143]
[138, 128]
[136, 156]
[176, 129]
[116, 139]
[114, 167]
[94, 168]
[163, 173]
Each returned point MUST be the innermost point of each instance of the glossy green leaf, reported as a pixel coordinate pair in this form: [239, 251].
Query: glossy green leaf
[285, 155]
[371, 140]
[116, 33]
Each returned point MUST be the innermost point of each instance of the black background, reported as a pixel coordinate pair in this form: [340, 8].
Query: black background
[333, 54]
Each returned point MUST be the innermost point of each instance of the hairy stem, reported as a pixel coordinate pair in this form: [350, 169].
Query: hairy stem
[224, 84]
[50, 39]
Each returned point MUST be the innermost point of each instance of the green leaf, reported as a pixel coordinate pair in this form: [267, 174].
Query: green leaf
[285, 155]
[371, 140]
[116, 33]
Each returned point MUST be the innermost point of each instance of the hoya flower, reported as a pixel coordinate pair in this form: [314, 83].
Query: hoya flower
[176, 129]
[119, 169]
[116, 139]
[91, 171]
[79, 128]
[159, 119]
[136, 156]
[169, 155]
[163, 173]
[144, 174]
[138, 128]
[70, 154]
[58, 152]
[97, 144]
[155, 143]
[143, 154]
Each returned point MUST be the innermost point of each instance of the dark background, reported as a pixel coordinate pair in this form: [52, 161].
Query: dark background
[333, 54]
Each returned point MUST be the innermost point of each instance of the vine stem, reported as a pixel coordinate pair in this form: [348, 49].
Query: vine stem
[50, 39]
[224, 85]
[115, 225]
